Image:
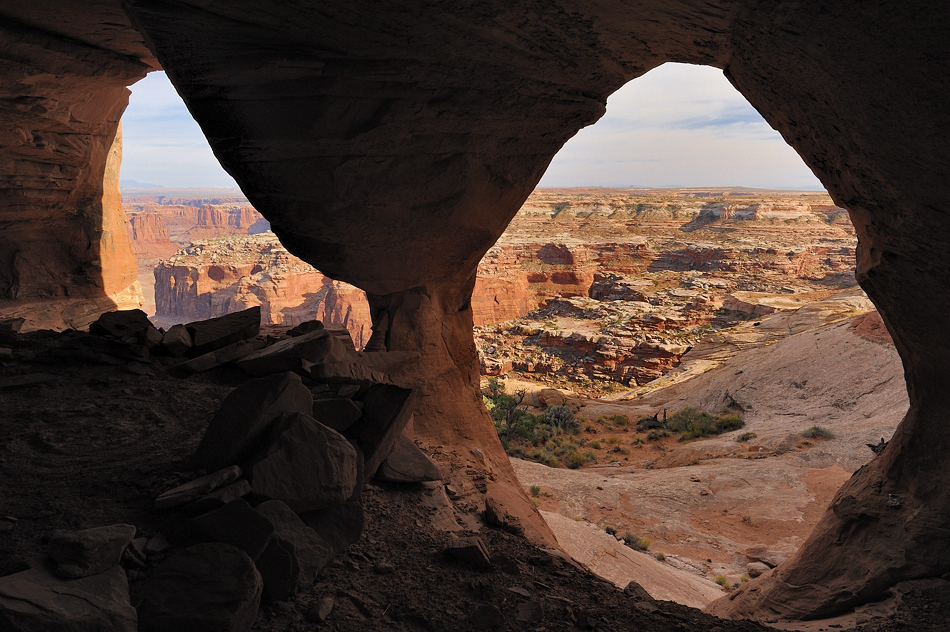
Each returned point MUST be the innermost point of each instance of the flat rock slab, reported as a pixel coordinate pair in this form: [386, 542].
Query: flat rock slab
[215, 333]
[38, 601]
[220, 357]
[197, 488]
[307, 465]
[313, 552]
[90, 551]
[316, 347]
[407, 464]
[339, 413]
[246, 414]
[208, 587]
[387, 411]
[219, 497]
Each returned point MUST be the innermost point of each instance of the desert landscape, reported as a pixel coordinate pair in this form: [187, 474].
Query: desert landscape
[623, 305]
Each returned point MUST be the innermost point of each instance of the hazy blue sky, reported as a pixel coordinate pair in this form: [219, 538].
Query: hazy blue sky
[678, 125]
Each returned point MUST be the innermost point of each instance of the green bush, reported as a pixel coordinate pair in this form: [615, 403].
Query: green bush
[535, 490]
[818, 432]
[745, 436]
[562, 418]
[595, 444]
[655, 435]
[660, 557]
[722, 580]
[691, 423]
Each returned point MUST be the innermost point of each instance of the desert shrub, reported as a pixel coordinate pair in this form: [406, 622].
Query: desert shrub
[574, 460]
[818, 432]
[535, 490]
[610, 531]
[745, 436]
[691, 423]
[745, 578]
[722, 580]
[562, 418]
[660, 556]
[590, 457]
[656, 435]
[612, 440]
[614, 421]
[618, 450]
[636, 543]
[590, 428]
[595, 444]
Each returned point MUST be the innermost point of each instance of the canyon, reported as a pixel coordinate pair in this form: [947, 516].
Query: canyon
[596, 288]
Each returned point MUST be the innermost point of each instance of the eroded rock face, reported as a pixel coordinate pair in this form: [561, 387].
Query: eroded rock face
[64, 238]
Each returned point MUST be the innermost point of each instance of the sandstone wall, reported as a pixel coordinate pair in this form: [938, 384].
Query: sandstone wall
[64, 237]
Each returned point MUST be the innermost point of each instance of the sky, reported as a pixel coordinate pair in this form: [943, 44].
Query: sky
[676, 126]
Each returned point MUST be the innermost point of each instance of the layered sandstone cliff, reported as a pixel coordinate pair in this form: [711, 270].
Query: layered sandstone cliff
[217, 277]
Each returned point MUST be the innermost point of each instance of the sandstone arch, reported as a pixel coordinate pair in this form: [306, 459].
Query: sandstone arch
[390, 148]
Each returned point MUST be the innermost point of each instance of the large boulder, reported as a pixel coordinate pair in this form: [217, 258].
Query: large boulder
[208, 587]
[239, 525]
[90, 551]
[38, 601]
[313, 552]
[339, 413]
[246, 415]
[305, 465]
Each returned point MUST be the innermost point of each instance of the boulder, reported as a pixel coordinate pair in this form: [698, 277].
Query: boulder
[197, 488]
[215, 333]
[239, 525]
[313, 552]
[123, 324]
[236, 524]
[306, 465]
[339, 413]
[387, 411]
[38, 601]
[470, 551]
[89, 552]
[339, 525]
[754, 569]
[292, 354]
[246, 415]
[407, 464]
[209, 587]
[177, 341]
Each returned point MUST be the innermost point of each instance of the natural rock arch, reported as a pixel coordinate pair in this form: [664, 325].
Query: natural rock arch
[390, 148]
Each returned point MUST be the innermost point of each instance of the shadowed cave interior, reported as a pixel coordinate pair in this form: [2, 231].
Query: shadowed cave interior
[390, 148]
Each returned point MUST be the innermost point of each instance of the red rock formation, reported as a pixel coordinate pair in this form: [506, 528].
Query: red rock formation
[149, 236]
[208, 280]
